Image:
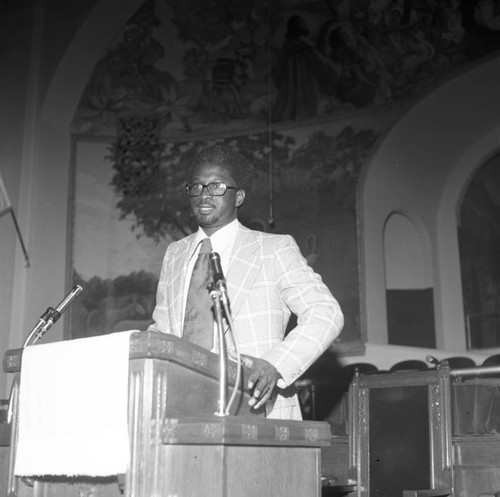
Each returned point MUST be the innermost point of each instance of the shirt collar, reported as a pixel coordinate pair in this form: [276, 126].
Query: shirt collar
[221, 239]
[224, 237]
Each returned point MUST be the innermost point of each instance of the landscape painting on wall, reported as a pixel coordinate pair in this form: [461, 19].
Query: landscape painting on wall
[124, 222]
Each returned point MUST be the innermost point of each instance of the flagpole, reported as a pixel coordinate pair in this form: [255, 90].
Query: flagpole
[26, 258]
[7, 207]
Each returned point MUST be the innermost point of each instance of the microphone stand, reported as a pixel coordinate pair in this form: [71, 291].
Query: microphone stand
[46, 320]
[218, 292]
[216, 295]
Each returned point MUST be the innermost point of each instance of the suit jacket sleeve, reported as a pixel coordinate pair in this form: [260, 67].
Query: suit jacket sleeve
[319, 317]
[161, 310]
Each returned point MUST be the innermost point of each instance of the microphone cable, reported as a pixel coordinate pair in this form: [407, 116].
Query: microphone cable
[237, 380]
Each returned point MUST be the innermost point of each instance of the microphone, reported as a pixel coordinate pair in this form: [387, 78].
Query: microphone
[55, 314]
[216, 269]
[51, 315]
[218, 278]
[68, 300]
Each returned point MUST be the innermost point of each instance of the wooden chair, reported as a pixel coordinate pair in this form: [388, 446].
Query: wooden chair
[350, 370]
[400, 431]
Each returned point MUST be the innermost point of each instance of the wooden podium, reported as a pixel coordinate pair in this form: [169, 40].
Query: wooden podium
[179, 448]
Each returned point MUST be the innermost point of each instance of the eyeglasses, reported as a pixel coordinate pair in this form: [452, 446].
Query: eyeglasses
[216, 189]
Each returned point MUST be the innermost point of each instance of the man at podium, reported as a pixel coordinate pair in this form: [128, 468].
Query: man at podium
[267, 280]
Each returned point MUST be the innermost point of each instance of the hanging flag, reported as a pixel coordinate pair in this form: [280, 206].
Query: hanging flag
[6, 207]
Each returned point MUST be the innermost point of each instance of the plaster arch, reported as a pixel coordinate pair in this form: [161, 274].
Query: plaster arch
[46, 175]
[452, 304]
[421, 166]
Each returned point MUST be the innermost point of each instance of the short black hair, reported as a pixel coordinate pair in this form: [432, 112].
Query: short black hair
[238, 166]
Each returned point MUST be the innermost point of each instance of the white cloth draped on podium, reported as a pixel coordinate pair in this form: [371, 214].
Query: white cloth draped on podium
[73, 403]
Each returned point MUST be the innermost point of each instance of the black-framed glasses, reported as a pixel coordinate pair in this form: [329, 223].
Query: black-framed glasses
[216, 189]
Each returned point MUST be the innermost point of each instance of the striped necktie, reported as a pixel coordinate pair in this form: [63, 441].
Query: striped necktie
[199, 318]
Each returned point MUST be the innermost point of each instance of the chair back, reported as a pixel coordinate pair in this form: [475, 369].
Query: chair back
[401, 432]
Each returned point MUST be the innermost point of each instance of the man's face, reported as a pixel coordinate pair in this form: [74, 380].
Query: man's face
[214, 212]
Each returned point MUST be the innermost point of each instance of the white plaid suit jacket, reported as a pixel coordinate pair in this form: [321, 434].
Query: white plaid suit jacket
[267, 279]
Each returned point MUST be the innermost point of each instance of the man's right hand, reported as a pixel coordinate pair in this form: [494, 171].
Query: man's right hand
[262, 380]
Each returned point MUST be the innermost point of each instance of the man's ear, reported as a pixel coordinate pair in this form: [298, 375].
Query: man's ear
[240, 198]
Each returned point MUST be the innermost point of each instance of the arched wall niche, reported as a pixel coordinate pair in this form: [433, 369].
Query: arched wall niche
[478, 152]
[408, 282]
[486, 335]
[407, 252]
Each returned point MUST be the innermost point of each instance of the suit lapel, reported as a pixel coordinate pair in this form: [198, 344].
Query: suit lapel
[246, 261]
[176, 282]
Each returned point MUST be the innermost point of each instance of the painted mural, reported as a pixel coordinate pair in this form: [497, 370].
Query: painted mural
[304, 88]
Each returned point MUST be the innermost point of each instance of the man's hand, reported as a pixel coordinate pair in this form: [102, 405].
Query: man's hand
[262, 380]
